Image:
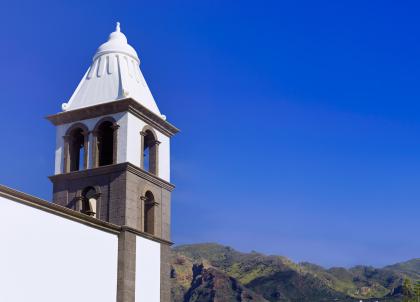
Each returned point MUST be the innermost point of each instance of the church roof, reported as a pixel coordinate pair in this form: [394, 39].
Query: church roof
[113, 75]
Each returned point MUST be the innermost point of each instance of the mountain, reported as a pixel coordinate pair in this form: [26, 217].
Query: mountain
[215, 273]
[409, 268]
[193, 282]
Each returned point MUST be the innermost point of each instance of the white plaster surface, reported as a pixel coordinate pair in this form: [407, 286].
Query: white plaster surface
[164, 157]
[147, 270]
[135, 126]
[44, 257]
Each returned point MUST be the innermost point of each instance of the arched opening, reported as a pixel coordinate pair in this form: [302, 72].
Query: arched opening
[150, 152]
[149, 213]
[89, 201]
[105, 143]
[76, 150]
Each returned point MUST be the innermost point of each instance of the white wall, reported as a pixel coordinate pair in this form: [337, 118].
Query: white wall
[164, 157]
[44, 257]
[135, 126]
[129, 143]
[147, 270]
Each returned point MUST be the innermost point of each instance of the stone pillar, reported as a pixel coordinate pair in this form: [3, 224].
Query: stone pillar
[154, 157]
[126, 278]
[142, 135]
[115, 143]
[66, 164]
[165, 273]
[95, 151]
[86, 148]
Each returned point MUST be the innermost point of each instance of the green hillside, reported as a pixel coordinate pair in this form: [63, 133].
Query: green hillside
[212, 272]
[409, 268]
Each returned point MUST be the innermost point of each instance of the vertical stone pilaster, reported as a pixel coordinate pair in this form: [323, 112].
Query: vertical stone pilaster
[126, 279]
[66, 162]
[142, 135]
[166, 215]
[165, 273]
[86, 148]
[115, 127]
[154, 158]
[95, 151]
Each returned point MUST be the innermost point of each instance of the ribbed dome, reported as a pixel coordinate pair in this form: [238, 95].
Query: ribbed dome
[117, 42]
[113, 75]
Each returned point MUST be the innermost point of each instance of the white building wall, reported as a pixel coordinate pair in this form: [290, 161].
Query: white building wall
[135, 126]
[48, 258]
[164, 157]
[129, 143]
[59, 148]
[147, 270]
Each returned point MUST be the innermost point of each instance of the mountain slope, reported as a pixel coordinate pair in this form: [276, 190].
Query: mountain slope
[409, 268]
[193, 282]
[359, 281]
[212, 272]
[212, 285]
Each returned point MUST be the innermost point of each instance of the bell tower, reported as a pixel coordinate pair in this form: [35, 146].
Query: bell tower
[112, 159]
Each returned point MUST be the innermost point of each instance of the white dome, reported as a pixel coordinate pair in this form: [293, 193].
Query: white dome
[117, 42]
[113, 75]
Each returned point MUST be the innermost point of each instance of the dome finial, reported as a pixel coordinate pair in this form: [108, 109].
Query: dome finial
[118, 27]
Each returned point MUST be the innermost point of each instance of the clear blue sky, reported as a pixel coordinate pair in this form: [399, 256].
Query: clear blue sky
[300, 119]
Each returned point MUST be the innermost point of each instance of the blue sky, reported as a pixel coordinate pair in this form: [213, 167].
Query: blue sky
[300, 119]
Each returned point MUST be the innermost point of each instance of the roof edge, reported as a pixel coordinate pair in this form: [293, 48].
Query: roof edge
[128, 105]
[121, 167]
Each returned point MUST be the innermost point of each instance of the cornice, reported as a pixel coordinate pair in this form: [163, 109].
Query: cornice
[150, 177]
[122, 167]
[90, 172]
[124, 105]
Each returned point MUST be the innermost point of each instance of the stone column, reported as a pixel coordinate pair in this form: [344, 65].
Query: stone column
[95, 151]
[142, 135]
[115, 143]
[126, 278]
[154, 157]
[66, 164]
[86, 147]
[165, 272]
